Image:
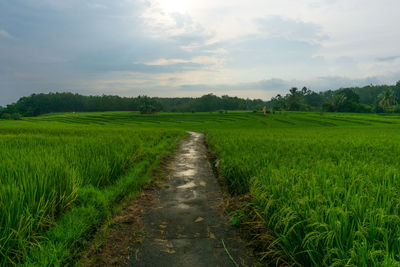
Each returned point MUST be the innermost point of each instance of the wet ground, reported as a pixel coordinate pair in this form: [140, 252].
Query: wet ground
[186, 226]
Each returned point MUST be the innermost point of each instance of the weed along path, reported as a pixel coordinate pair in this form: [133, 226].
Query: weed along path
[186, 226]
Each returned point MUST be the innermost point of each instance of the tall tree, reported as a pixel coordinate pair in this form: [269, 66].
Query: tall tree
[387, 99]
[344, 100]
[294, 99]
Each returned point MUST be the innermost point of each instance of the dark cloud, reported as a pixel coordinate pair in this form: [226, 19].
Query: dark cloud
[100, 46]
[273, 85]
[282, 86]
[254, 50]
[336, 82]
[382, 59]
[55, 44]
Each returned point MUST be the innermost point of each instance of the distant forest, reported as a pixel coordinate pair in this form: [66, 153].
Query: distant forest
[38, 104]
[378, 99]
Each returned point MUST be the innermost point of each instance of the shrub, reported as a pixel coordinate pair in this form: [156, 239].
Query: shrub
[6, 116]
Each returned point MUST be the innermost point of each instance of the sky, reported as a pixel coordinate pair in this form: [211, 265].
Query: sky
[245, 48]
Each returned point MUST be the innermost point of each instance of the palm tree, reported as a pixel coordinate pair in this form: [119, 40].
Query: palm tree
[387, 98]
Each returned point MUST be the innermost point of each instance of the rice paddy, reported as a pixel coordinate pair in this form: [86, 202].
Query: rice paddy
[326, 184]
[47, 170]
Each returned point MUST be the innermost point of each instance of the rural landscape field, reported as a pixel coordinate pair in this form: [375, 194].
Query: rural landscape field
[326, 184]
[169, 133]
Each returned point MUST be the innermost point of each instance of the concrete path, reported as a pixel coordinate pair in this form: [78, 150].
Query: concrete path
[186, 227]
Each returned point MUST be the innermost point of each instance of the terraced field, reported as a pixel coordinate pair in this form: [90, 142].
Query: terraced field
[327, 184]
[215, 119]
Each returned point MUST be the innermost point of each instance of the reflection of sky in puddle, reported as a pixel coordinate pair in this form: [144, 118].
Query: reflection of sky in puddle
[187, 185]
[188, 172]
[191, 154]
[183, 206]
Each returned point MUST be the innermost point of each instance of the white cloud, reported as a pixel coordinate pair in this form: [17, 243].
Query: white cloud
[205, 60]
[164, 47]
[164, 62]
[5, 34]
[279, 27]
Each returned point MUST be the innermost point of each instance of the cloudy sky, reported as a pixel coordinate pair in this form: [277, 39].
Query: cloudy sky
[247, 48]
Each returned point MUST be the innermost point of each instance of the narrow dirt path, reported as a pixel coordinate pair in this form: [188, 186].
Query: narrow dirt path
[186, 226]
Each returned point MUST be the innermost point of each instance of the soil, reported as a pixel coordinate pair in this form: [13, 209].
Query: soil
[112, 244]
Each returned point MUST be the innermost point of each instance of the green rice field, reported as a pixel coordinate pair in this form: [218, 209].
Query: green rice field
[326, 184]
[47, 170]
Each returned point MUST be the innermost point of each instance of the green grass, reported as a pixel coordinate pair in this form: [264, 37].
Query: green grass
[327, 184]
[330, 193]
[47, 170]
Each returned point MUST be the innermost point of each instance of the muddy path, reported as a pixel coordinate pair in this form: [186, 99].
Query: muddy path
[186, 226]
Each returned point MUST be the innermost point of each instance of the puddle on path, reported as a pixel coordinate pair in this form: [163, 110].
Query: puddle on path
[185, 229]
[189, 172]
[187, 185]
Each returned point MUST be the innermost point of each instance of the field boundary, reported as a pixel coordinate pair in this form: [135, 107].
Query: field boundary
[245, 216]
[112, 243]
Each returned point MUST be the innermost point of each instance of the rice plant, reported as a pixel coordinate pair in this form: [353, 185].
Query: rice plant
[42, 170]
[331, 195]
[326, 184]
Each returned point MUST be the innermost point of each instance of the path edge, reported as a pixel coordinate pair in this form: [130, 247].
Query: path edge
[93, 252]
[257, 237]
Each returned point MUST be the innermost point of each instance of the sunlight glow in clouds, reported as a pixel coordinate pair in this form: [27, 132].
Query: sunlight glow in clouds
[175, 6]
[252, 48]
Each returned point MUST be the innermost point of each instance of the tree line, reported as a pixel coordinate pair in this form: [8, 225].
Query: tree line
[381, 98]
[37, 104]
[367, 99]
